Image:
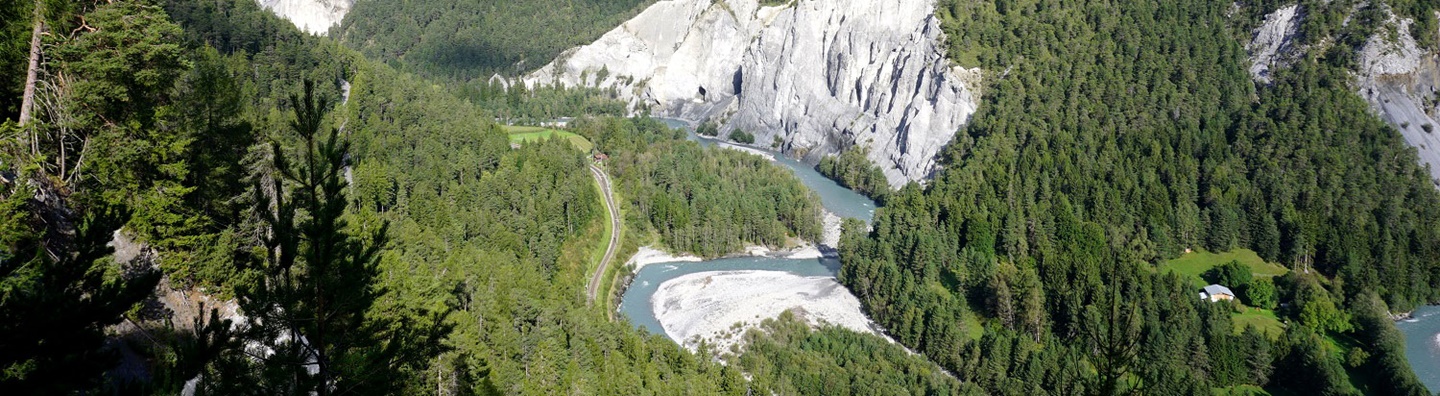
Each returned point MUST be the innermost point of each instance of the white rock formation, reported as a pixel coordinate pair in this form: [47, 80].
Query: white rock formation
[1382, 57]
[1273, 40]
[1402, 84]
[819, 75]
[314, 16]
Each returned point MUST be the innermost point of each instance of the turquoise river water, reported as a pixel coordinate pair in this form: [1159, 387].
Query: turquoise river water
[635, 303]
[1422, 344]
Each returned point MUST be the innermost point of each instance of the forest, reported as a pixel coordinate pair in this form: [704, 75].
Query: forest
[793, 359]
[469, 43]
[381, 235]
[1123, 134]
[707, 201]
[377, 231]
[852, 168]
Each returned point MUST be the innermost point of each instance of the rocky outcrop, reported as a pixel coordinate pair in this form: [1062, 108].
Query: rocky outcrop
[314, 16]
[1401, 82]
[811, 77]
[1273, 42]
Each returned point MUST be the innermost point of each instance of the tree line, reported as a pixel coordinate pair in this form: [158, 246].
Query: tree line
[475, 39]
[852, 168]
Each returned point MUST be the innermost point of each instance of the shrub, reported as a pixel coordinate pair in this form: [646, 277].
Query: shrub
[708, 128]
[742, 136]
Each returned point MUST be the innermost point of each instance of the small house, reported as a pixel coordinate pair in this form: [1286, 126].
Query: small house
[1216, 293]
[561, 122]
[600, 157]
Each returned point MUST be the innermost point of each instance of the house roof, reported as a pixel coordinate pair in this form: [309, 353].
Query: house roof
[1217, 289]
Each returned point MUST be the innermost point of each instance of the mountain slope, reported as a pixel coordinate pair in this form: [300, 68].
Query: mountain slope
[1125, 133]
[473, 39]
[1395, 62]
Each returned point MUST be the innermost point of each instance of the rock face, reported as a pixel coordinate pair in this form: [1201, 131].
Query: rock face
[1402, 84]
[811, 77]
[1272, 44]
[314, 16]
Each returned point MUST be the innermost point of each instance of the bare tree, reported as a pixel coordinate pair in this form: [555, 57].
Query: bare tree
[28, 101]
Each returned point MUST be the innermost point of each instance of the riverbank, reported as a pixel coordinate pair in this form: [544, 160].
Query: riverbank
[648, 255]
[715, 301]
[717, 308]
[745, 149]
[826, 248]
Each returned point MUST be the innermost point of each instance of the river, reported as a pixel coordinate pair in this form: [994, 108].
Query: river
[1422, 344]
[837, 199]
[637, 304]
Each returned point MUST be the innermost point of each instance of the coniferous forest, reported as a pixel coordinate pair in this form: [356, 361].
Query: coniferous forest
[349, 215]
[1125, 133]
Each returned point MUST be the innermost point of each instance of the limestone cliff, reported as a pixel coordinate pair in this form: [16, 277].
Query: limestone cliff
[812, 77]
[314, 16]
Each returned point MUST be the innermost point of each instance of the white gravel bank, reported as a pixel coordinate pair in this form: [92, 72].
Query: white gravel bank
[709, 305]
[743, 149]
[647, 255]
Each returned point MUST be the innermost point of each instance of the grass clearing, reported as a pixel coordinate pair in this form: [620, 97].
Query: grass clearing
[575, 260]
[526, 134]
[1194, 264]
[1263, 320]
[1239, 390]
[973, 328]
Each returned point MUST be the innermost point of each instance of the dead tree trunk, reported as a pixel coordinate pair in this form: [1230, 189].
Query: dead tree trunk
[27, 103]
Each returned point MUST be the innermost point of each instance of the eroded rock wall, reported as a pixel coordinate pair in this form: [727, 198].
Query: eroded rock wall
[313, 16]
[812, 77]
[1273, 42]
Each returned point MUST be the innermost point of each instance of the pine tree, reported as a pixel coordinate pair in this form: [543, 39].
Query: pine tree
[317, 281]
